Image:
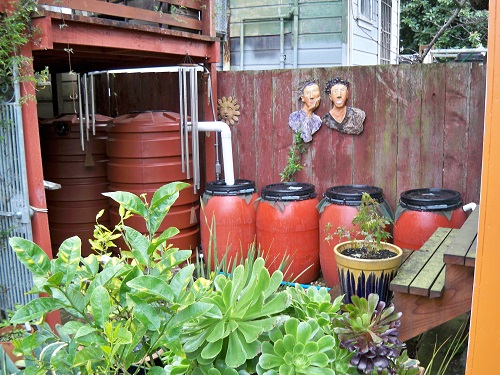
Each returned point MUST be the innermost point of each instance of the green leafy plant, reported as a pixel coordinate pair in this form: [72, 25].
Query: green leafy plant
[121, 309]
[314, 303]
[301, 347]
[17, 31]
[369, 226]
[246, 305]
[369, 329]
[294, 165]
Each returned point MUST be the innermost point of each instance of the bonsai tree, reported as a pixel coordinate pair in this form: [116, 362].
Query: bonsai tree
[370, 227]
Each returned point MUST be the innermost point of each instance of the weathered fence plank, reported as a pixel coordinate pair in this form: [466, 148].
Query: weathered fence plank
[456, 126]
[386, 133]
[432, 125]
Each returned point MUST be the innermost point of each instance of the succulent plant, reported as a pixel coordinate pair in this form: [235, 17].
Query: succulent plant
[300, 348]
[246, 304]
[314, 303]
[369, 329]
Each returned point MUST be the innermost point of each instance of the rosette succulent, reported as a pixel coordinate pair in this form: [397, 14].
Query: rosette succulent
[369, 329]
[246, 305]
[302, 348]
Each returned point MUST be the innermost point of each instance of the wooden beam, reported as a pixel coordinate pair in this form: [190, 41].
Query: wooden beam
[79, 34]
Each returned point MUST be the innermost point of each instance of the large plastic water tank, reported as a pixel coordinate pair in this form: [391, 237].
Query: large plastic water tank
[287, 227]
[82, 174]
[337, 209]
[421, 211]
[228, 220]
[144, 151]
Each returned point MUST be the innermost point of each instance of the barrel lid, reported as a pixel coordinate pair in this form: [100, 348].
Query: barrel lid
[219, 187]
[350, 195]
[288, 191]
[430, 199]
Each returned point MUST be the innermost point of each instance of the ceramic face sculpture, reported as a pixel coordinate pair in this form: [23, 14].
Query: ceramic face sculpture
[345, 119]
[304, 121]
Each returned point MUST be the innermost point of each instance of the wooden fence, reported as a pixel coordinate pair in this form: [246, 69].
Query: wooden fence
[423, 128]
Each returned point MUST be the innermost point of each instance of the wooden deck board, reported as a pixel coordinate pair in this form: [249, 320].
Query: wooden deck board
[464, 245]
[423, 282]
[417, 260]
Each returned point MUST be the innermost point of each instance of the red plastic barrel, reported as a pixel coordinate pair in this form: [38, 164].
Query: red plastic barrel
[421, 211]
[228, 220]
[337, 209]
[287, 226]
[144, 151]
[82, 175]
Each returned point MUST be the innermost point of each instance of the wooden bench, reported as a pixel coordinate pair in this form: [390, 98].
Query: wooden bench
[434, 283]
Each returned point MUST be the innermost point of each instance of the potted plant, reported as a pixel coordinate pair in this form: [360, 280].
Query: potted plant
[366, 264]
[10, 332]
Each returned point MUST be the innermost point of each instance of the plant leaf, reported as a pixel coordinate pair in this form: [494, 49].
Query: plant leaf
[129, 201]
[146, 313]
[153, 286]
[139, 245]
[101, 305]
[35, 309]
[68, 258]
[31, 255]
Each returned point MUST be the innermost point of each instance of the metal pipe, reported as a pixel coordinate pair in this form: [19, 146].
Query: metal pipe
[82, 140]
[242, 41]
[87, 125]
[282, 43]
[295, 36]
[186, 134]
[181, 119]
[92, 95]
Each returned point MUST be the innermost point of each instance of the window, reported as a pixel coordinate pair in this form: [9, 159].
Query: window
[365, 8]
[385, 32]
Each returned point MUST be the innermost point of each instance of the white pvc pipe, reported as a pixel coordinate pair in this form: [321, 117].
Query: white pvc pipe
[227, 148]
[469, 206]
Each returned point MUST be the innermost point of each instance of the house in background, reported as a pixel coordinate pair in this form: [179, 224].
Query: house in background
[278, 34]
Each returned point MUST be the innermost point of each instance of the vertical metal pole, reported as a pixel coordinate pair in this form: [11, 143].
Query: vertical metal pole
[186, 130]
[181, 120]
[85, 87]
[80, 114]
[242, 41]
[92, 102]
[194, 127]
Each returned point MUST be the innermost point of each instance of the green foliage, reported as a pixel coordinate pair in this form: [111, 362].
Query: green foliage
[294, 165]
[369, 329]
[370, 226]
[16, 32]
[121, 309]
[301, 347]
[422, 19]
[246, 305]
[313, 303]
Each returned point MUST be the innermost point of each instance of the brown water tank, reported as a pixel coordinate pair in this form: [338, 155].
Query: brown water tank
[82, 174]
[144, 151]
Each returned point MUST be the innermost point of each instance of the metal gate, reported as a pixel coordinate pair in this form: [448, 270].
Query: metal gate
[15, 220]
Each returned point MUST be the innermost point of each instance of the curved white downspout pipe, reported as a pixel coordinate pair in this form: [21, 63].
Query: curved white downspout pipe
[227, 148]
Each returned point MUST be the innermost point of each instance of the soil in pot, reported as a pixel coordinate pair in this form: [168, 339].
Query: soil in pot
[364, 253]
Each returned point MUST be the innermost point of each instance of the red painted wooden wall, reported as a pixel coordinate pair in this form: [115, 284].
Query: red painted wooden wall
[423, 127]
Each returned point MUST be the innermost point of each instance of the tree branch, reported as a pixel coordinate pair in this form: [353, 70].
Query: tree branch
[460, 5]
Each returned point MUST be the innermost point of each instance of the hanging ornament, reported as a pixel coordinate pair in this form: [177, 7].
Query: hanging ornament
[228, 110]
